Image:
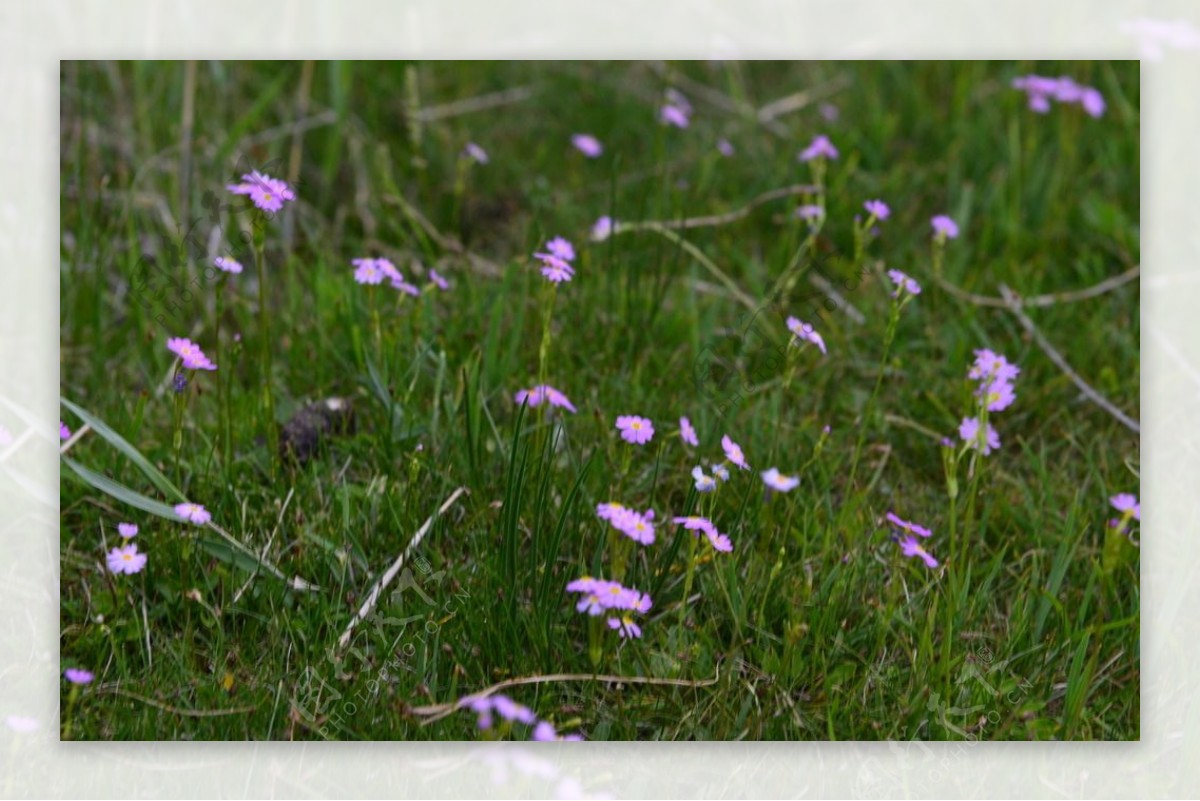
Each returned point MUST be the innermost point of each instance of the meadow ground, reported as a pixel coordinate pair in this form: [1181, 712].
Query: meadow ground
[823, 621]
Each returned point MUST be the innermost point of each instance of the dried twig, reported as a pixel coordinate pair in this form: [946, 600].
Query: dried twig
[1014, 303]
[190, 713]
[386, 579]
[438, 711]
[1051, 299]
[714, 219]
[478, 103]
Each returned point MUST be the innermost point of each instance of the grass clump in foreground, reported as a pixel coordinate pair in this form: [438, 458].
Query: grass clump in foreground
[438, 406]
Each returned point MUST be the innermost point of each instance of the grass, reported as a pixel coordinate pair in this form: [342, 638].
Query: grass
[815, 627]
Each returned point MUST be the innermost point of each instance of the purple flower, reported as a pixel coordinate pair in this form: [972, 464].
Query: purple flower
[588, 145]
[724, 148]
[910, 547]
[371, 271]
[512, 711]
[703, 483]
[228, 265]
[779, 482]
[438, 280]
[904, 284]
[63, 431]
[990, 366]
[193, 513]
[544, 732]
[406, 288]
[671, 114]
[600, 595]
[998, 395]
[829, 112]
[607, 511]
[602, 228]
[127, 530]
[810, 212]
[126, 559]
[561, 248]
[1128, 504]
[544, 392]
[634, 429]
[911, 528]
[638, 526]
[475, 153]
[193, 358]
[805, 333]
[944, 227]
[1092, 102]
[820, 147]
[971, 434]
[877, 209]
[687, 433]
[694, 523]
[733, 452]
[705, 526]
[1041, 90]
[79, 675]
[268, 193]
[718, 541]
[555, 269]
[625, 626]
[721, 472]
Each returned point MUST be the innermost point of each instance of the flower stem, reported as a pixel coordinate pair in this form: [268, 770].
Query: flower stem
[264, 333]
[869, 409]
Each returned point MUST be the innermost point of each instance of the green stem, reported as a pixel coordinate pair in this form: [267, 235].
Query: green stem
[264, 333]
[869, 409]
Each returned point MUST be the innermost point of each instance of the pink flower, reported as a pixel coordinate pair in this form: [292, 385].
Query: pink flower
[944, 227]
[193, 513]
[724, 148]
[228, 265]
[127, 530]
[820, 147]
[126, 559]
[79, 675]
[805, 333]
[674, 115]
[733, 452]
[561, 248]
[910, 547]
[544, 392]
[625, 626]
[368, 271]
[779, 482]
[911, 528]
[406, 288]
[971, 434]
[638, 526]
[877, 209]
[438, 280]
[602, 228]
[193, 358]
[475, 153]
[637, 430]
[268, 193]
[588, 145]
[904, 284]
[63, 431]
[555, 269]
[810, 212]
[1128, 504]
[687, 433]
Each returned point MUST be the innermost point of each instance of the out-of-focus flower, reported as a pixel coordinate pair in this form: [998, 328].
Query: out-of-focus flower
[877, 209]
[819, 147]
[944, 227]
[438, 280]
[544, 392]
[733, 452]
[193, 358]
[804, 332]
[588, 145]
[779, 482]
[1041, 90]
[555, 269]
[625, 626]
[1128, 504]
[687, 433]
[127, 530]
[810, 212]
[909, 546]
[63, 431]
[268, 193]
[990, 366]
[703, 483]
[193, 513]
[904, 284]
[126, 559]
[561, 248]
[634, 429]
[911, 528]
[670, 114]
[227, 265]
[720, 472]
[981, 441]
[724, 148]
[79, 675]
[475, 153]
[638, 526]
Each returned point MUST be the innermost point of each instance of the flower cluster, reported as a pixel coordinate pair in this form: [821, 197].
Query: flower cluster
[906, 287]
[489, 706]
[556, 260]
[600, 597]
[374, 271]
[638, 526]
[702, 525]
[819, 147]
[1041, 90]
[804, 332]
[994, 375]
[193, 358]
